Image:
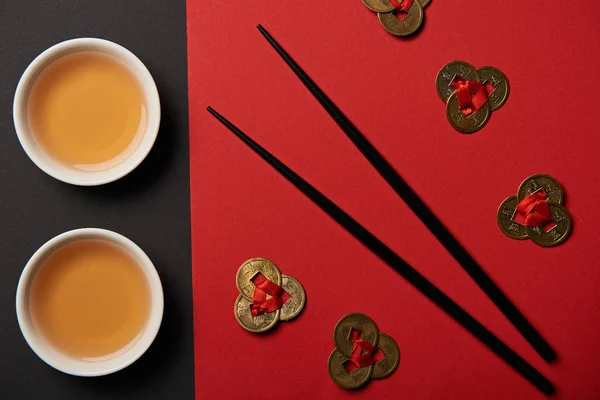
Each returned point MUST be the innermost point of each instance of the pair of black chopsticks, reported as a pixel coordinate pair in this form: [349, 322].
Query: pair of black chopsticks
[428, 218]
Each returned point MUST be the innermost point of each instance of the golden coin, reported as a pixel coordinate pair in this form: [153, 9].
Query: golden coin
[343, 378]
[250, 269]
[294, 305]
[498, 80]
[424, 3]
[541, 182]
[450, 71]
[558, 233]
[408, 26]
[379, 5]
[391, 351]
[506, 213]
[463, 123]
[260, 323]
[354, 321]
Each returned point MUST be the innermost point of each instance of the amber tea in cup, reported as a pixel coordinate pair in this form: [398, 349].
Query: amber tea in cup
[89, 299]
[89, 302]
[87, 110]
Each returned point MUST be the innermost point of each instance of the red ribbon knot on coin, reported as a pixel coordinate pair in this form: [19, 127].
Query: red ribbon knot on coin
[471, 95]
[402, 5]
[535, 209]
[262, 304]
[363, 352]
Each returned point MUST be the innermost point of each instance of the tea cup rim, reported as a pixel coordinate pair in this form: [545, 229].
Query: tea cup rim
[97, 367]
[40, 156]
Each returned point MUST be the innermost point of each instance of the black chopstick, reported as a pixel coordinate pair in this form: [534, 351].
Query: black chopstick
[417, 205]
[398, 264]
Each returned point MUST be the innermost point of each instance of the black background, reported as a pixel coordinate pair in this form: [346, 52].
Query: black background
[150, 205]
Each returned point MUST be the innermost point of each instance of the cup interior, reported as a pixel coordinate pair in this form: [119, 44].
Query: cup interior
[102, 365]
[67, 173]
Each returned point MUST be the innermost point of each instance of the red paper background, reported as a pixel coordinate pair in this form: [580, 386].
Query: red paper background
[241, 208]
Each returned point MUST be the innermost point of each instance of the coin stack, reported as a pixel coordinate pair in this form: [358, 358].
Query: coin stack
[266, 296]
[361, 352]
[390, 14]
[468, 96]
[539, 203]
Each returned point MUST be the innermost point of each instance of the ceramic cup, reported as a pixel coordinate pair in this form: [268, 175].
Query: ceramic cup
[67, 173]
[96, 367]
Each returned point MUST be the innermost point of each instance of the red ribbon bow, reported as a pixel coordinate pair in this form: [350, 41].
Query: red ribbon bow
[471, 95]
[402, 5]
[357, 358]
[535, 209]
[264, 287]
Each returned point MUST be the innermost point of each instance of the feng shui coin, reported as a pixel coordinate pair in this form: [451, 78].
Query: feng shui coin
[382, 6]
[463, 123]
[294, 305]
[451, 71]
[354, 321]
[260, 323]
[424, 3]
[557, 234]
[343, 378]
[541, 182]
[391, 351]
[408, 26]
[506, 213]
[498, 80]
[250, 269]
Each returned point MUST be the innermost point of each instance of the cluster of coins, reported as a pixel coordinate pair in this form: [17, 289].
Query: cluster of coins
[293, 305]
[357, 339]
[390, 15]
[551, 193]
[461, 73]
